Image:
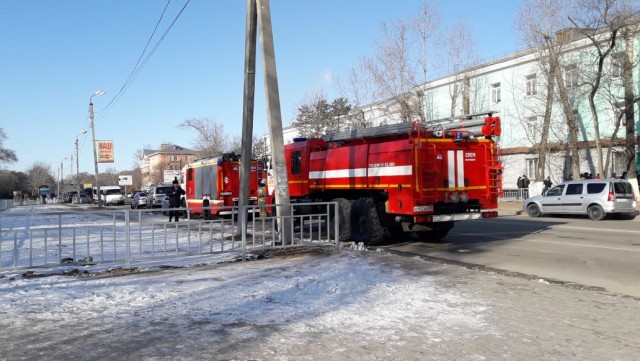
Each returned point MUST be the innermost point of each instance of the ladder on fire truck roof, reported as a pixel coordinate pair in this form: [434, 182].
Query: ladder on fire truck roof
[459, 122]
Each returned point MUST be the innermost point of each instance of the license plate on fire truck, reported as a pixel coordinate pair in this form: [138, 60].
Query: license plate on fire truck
[423, 208]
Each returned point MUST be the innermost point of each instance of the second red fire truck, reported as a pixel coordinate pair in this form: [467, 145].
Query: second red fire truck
[218, 179]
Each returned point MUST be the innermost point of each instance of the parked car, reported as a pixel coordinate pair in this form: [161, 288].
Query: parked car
[69, 196]
[596, 198]
[111, 195]
[139, 200]
[83, 198]
[156, 194]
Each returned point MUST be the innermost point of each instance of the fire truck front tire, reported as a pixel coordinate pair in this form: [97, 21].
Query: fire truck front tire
[365, 223]
[344, 220]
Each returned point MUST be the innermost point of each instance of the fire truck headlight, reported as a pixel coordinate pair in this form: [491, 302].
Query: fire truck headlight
[452, 197]
[463, 196]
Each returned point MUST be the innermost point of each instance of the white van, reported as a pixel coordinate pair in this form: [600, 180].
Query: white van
[111, 195]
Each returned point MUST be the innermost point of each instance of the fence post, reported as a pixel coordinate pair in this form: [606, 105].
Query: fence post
[127, 237]
[336, 227]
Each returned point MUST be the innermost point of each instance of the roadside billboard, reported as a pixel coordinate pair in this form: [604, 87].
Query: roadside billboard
[170, 175]
[125, 180]
[105, 151]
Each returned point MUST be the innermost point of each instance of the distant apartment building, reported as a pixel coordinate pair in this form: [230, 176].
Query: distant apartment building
[153, 162]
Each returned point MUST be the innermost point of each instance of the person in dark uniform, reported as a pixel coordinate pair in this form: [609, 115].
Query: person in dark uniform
[175, 196]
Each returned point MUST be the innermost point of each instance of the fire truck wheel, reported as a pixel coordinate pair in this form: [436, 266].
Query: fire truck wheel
[365, 224]
[533, 210]
[344, 213]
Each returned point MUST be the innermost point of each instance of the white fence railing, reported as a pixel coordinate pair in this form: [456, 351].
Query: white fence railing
[514, 195]
[41, 237]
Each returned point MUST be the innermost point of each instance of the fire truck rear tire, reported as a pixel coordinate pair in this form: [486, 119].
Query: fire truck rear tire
[344, 217]
[365, 223]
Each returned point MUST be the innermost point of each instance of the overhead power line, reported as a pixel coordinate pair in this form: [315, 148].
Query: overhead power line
[144, 57]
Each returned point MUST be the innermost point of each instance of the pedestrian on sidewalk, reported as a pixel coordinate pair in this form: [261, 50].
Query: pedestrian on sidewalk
[175, 196]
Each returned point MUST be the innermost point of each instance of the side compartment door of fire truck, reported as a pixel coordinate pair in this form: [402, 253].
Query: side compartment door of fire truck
[297, 169]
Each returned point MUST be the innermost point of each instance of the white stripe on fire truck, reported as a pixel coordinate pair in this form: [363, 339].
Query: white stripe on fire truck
[460, 163]
[338, 173]
[451, 167]
[362, 172]
[388, 171]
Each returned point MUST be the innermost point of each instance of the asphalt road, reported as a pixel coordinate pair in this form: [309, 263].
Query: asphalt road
[574, 250]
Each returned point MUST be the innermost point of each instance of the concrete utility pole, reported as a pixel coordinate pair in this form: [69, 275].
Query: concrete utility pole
[247, 112]
[274, 117]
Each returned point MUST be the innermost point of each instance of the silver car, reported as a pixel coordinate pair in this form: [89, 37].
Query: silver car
[596, 198]
[139, 200]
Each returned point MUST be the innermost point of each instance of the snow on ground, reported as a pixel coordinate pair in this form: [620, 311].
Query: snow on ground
[322, 304]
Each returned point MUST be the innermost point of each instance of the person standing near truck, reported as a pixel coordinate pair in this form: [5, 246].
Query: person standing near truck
[175, 196]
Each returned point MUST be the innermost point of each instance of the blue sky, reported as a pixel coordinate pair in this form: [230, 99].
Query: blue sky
[55, 54]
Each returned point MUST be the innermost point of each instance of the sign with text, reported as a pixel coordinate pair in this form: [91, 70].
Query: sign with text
[125, 180]
[171, 174]
[105, 151]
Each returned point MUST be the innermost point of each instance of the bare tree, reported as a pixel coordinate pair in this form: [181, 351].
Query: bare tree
[602, 22]
[393, 71]
[109, 177]
[461, 54]
[358, 87]
[6, 155]
[40, 174]
[425, 25]
[210, 139]
[538, 22]
[390, 81]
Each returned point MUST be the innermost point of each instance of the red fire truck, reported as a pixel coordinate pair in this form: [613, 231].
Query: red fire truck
[402, 177]
[218, 178]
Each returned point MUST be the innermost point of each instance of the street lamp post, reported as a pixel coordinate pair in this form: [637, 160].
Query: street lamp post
[84, 131]
[93, 140]
[61, 190]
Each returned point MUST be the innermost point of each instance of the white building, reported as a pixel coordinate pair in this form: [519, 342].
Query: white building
[515, 87]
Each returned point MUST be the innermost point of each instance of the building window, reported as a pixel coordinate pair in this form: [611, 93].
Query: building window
[618, 113]
[619, 163]
[532, 167]
[495, 93]
[173, 158]
[534, 129]
[617, 61]
[531, 85]
[571, 76]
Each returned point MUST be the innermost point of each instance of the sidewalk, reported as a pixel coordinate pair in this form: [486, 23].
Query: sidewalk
[510, 208]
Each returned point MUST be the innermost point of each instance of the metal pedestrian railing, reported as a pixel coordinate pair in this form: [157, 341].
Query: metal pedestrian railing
[46, 236]
[514, 195]
[5, 204]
